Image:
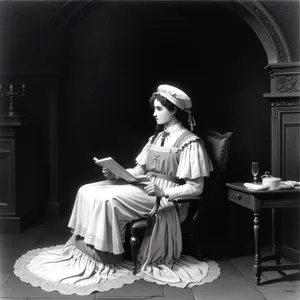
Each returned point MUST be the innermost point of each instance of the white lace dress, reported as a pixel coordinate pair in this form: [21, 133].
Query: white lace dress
[101, 213]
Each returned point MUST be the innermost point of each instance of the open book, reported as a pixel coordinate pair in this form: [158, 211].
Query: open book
[110, 164]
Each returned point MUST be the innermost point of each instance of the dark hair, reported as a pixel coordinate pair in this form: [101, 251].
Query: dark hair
[180, 114]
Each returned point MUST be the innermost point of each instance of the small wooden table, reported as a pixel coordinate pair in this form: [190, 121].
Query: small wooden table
[256, 201]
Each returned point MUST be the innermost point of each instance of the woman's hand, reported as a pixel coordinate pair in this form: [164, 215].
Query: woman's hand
[153, 190]
[108, 174]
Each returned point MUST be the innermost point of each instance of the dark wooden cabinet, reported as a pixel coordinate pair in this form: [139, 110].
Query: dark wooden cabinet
[285, 148]
[286, 164]
[17, 173]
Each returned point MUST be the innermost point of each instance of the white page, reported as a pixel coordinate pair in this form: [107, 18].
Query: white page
[116, 168]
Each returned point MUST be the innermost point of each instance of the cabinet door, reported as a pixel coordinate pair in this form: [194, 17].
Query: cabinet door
[285, 164]
[286, 143]
[7, 176]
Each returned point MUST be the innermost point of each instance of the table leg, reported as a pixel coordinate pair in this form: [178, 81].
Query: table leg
[257, 258]
[233, 229]
[276, 218]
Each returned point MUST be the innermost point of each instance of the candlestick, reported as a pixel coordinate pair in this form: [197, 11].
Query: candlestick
[12, 94]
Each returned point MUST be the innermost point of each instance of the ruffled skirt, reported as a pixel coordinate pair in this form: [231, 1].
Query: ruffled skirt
[68, 270]
[92, 259]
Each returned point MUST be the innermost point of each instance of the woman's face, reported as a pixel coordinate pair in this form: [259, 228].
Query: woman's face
[161, 114]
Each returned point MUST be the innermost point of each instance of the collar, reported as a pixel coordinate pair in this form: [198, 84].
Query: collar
[173, 128]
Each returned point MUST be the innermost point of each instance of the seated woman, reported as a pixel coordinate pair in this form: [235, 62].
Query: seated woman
[175, 161]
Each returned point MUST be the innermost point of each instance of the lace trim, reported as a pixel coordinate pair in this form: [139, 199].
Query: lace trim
[190, 140]
[21, 270]
[25, 275]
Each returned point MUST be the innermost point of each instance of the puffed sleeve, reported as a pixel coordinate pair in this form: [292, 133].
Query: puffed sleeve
[142, 157]
[194, 161]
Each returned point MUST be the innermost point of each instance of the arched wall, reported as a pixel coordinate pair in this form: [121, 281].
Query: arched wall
[283, 72]
[266, 29]
[251, 11]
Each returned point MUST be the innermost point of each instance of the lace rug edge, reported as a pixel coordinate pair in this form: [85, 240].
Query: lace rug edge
[21, 271]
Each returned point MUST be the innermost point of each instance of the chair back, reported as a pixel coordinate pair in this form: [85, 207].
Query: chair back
[216, 145]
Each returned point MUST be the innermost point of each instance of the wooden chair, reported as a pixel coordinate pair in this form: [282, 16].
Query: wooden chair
[216, 145]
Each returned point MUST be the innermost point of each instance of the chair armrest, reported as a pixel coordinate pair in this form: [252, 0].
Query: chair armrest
[186, 199]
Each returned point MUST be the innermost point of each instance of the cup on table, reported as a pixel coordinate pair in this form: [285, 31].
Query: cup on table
[272, 182]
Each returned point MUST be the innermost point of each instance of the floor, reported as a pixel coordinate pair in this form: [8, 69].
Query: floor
[235, 283]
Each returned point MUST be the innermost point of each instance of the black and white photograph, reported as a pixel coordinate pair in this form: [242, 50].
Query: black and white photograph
[150, 149]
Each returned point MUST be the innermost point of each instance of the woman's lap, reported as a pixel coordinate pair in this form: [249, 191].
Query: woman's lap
[102, 210]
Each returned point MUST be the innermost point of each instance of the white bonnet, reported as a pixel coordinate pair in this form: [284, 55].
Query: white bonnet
[175, 95]
[178, 98]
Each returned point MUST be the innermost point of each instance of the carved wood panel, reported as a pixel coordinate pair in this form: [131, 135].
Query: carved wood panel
[291, 146]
